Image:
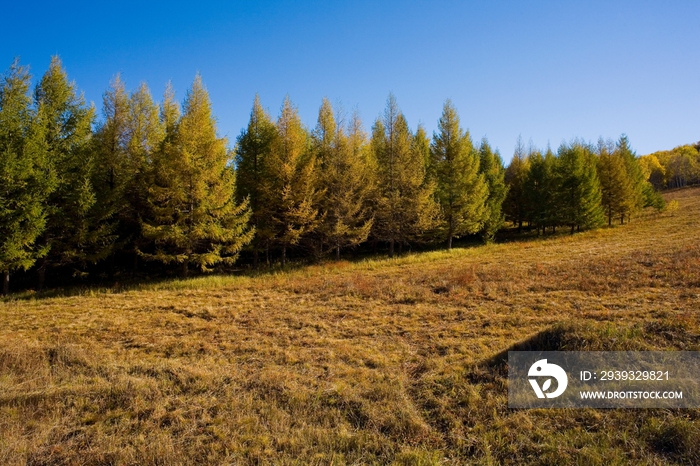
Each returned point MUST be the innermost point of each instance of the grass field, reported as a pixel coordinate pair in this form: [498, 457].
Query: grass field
[376, 362]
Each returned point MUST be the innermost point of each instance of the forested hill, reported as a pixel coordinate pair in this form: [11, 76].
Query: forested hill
[674, 168]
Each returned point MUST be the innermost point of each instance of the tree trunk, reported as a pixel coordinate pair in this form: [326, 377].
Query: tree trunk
[400, 248]
[337, 251]
[449, 242]
[185, 269]
[6, 283]
[391, 248]
[255, 259]
[284, 255]
[610, 216]
[520, 225]
[572, 228]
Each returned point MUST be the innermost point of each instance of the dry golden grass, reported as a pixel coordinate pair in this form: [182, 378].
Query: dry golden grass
[383, 361]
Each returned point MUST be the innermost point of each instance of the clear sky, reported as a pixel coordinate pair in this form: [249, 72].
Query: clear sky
[547, 70]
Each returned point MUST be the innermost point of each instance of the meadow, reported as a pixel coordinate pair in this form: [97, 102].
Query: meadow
[382, 361]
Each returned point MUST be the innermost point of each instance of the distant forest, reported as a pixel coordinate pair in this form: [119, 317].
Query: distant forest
[150, 189]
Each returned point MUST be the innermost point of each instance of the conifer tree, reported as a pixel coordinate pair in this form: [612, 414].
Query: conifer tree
[25, 178]
[491, 166]
[290, 194]
[74, 233]
[404, 207]
[540, 188]
[578, 196]
[345, 216]
[197, 220]
[635, 200]
[461, 187]
[421, 145]
[163, 172]
[111, 176]
[111, 141]
[537, 191]
[427, 207]
[615, 183]
[144, 135]
[515, 205]
[253, 147]
[653, 198]
[124, 145]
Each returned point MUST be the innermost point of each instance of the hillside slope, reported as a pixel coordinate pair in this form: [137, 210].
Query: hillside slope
[354, 363]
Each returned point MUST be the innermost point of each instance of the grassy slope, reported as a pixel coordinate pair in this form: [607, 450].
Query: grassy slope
[374, 362]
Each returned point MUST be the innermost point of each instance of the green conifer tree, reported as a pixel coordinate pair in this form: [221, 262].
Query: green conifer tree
[343, 181]
[197, 220]
[615, 183]
[253, 147]
[290, 194]
[515, 205]
[427, 206]
[461, 187]
[540, 188]
[145, 135]
[491, 166]
[26, 180]
[578, 196]
[404, 204]
[635, 199]
[112, 174]
[75, 234]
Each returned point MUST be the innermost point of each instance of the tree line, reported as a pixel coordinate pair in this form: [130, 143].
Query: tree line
[676, 168]
[582, 186]
[154, 183]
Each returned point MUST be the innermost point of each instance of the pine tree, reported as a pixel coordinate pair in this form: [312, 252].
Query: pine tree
[404, 207]
[540, 188]
[552, 217]
[25, 178]
[578, 196]
[491, 166]
[163, 195]
[112, 174]
[426, 208]
[343, 177]
[252, 149]
[144, 135]
[290, 194]
[615, 183]
[635, 200]
[421, 145]
[111, 140]
[197, 220]
[461, 188]
[515, 205]
[74, 233]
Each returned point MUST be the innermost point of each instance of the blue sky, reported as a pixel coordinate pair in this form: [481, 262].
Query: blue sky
[547, 70]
